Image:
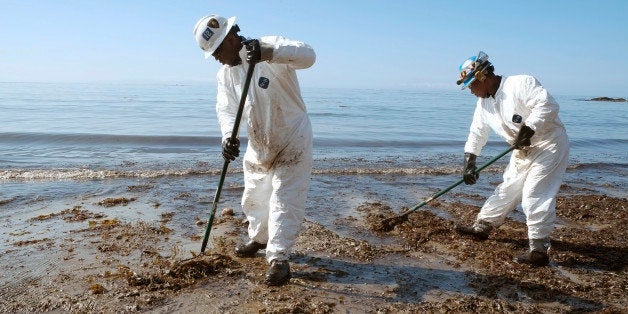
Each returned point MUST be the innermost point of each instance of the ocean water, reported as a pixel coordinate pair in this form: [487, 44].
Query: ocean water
[60, 132]
[71, 146]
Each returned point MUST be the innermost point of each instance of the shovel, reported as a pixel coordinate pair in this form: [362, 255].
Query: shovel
[389, 223]
[234, 135]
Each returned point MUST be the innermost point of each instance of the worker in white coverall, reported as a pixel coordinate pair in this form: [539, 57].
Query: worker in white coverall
[278, 160]
[524, 114]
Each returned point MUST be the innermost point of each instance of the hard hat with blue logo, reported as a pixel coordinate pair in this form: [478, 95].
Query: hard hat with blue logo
[472, 68]
[210, 31]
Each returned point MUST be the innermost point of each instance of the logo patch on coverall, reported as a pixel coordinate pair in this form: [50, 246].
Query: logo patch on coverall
[517, 118]
[263, 82]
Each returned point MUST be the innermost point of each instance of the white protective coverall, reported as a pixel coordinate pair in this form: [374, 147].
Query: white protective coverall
[278, 160]
[534, 174]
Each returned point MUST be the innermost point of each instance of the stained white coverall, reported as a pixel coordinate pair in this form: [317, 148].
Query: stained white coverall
[278, 160]
[534, 174]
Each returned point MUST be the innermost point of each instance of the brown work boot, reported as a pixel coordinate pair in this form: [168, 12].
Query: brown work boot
[534, 258]
[249, 249]
[278, 273]
[479, 230]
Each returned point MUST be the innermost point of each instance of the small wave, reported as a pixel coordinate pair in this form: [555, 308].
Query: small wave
[598, 166]
[597, 142]
[106, 139]
[344, 167]
[397, 171]
[6, 201]
[360, 143]
[90, 174]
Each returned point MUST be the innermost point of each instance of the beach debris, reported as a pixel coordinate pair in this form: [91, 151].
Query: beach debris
[376, 212]
[198, 221]
[97, 289]
[184, 273]
[203, 265]
[166, 217]
[105, 222]
[227, 212]
[29, 242]
[110, 201]
[44, 216]
[182, 195]
[75, 214]
[389, 223]
[139, 188]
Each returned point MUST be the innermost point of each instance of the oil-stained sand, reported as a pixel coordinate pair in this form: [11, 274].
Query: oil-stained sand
[108, 264]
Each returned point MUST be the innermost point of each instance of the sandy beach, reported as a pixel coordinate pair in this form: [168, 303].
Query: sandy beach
[136, 248]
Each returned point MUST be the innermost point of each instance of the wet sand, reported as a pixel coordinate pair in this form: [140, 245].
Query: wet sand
[136, 247]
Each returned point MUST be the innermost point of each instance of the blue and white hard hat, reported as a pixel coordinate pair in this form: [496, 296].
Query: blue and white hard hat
[470, 67]
[210, 31]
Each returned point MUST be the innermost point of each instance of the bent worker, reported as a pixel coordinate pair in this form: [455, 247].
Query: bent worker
[524, 114]
[278, 159]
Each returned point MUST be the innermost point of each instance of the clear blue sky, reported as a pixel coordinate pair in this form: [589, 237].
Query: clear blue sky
[573, 47]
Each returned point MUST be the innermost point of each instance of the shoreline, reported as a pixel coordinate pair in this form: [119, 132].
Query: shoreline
[75, 255]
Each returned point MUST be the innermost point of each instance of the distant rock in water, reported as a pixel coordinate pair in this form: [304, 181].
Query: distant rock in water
[607, 99]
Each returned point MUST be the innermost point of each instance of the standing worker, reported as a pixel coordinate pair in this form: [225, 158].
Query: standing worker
[524, 114]
[278, 160]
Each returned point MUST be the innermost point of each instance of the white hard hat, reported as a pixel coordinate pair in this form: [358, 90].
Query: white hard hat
[210, 31]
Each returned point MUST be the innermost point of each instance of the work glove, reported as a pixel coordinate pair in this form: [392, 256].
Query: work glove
[523, 137]
[468, 174]
[230, 149]
[257, 51]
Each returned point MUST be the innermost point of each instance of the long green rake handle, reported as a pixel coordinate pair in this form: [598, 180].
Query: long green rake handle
[445, 190]
[234, 135]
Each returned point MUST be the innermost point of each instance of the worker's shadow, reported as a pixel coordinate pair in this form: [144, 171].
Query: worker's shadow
[591, 256]
[411, 284]
[595, 256]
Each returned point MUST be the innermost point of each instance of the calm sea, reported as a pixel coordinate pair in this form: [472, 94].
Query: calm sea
[60, 132]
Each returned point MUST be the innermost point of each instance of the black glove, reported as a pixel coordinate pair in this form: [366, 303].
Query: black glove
[257, 51]
[253, 51]
[230, 149]
[468, 174]
[523, 137]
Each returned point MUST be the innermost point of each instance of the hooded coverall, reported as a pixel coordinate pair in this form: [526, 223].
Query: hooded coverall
[278, 160]
[535, 173]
